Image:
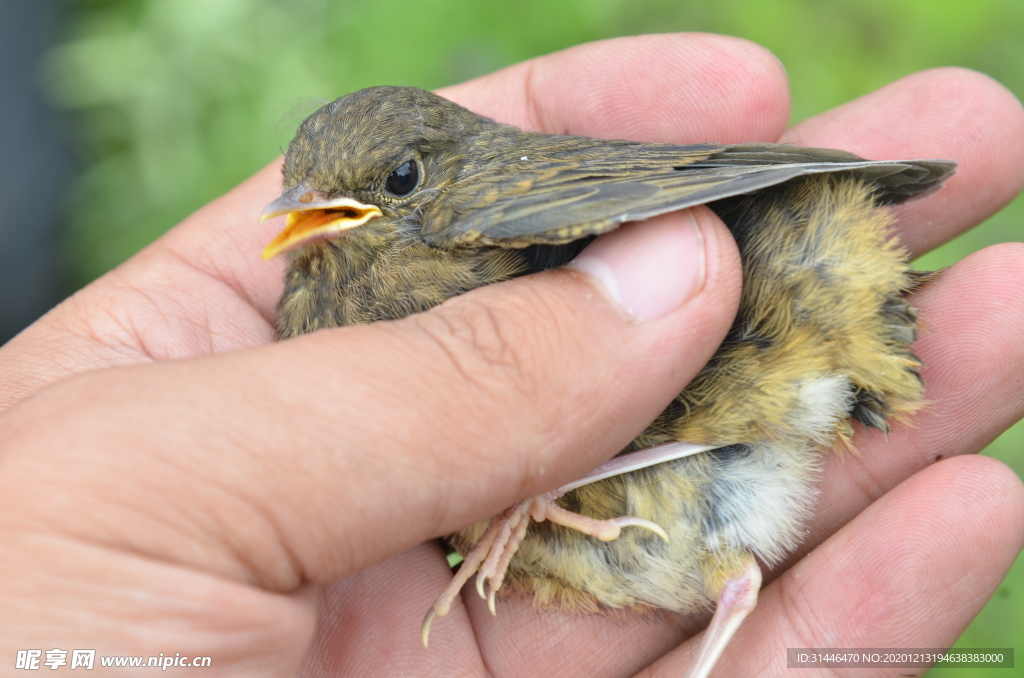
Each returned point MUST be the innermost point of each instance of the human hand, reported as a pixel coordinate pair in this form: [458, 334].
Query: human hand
[195, 505]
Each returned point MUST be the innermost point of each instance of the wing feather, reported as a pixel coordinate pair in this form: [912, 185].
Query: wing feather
[590, 187]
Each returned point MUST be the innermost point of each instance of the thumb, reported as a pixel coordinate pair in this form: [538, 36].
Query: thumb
[312, 458]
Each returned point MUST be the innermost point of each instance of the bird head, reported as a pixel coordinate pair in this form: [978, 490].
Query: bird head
[378, 152]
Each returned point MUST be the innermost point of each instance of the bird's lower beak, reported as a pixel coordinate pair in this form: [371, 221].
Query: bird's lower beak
[311, 217]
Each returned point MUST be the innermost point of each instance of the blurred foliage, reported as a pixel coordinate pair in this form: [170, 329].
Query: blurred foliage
[176, 101]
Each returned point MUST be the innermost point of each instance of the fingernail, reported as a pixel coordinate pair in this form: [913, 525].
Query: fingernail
[650, 268]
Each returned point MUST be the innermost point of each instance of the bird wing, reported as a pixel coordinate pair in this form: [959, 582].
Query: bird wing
[558, 197]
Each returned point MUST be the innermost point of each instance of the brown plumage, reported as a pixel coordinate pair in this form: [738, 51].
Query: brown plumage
[399, 199]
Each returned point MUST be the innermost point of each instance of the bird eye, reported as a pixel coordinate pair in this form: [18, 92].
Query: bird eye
[404, 179]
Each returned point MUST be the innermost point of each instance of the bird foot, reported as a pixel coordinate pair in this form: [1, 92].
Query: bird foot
[491, 554]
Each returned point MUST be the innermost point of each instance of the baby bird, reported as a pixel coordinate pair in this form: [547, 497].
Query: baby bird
[398, 199]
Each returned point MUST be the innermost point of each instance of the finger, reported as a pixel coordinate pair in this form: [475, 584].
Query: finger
[611, 643]
[909, 572]
[683, 88]
[83, 594]
[949, 113]
[172, 300]
[335, 450]
[369, 623]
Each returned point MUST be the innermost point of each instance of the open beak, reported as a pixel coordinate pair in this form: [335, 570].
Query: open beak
[310, 217]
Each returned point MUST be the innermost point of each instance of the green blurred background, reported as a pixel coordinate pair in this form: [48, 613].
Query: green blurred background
[173, 102]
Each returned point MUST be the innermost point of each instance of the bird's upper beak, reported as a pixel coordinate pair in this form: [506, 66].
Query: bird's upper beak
[313, 217]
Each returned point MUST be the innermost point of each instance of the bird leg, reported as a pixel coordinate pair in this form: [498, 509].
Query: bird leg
[736, 600]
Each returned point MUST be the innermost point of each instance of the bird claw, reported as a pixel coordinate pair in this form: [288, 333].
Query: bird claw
[491, 554]
[630, 521]
[428, 621]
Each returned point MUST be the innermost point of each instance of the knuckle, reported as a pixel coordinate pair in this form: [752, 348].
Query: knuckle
[506, 364]
[486, 348]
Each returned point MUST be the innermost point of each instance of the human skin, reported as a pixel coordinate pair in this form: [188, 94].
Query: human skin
[171, 481]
